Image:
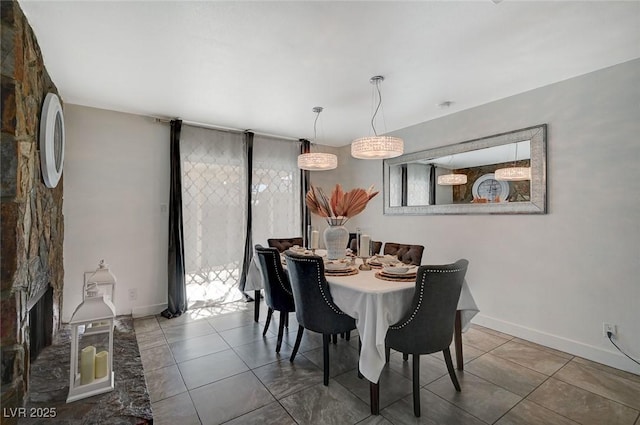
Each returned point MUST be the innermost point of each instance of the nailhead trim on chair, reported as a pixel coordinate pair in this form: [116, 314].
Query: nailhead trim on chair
[415, 311]
[324, 296]
[275, 264]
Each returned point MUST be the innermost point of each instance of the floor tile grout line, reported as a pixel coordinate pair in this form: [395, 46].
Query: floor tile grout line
[551, 410]
[456, 406]
[527, 367]
[547, 377]
[589, 391]
[582, 389]
[516, 364]
[591, 367]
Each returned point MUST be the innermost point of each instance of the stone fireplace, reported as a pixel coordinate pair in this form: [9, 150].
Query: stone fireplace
[32, 223]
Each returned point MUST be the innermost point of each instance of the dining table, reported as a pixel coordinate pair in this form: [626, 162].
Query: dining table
[375, 304]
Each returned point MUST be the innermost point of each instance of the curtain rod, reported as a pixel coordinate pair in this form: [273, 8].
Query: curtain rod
[224, 129]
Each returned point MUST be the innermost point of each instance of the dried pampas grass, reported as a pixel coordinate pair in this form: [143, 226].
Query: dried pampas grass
[341, 204]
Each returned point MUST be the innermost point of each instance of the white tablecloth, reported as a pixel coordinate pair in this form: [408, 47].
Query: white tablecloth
[254, 276]
[376, 304]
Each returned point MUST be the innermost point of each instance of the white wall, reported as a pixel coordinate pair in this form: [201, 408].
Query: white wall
[116, 176]
[550, 278]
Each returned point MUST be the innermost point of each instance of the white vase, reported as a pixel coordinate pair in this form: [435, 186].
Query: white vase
[335, 240]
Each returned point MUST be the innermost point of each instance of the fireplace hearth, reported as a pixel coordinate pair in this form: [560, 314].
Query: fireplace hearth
[128, 403]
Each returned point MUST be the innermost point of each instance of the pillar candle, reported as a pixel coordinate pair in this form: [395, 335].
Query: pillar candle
[87, 364]
[315, 238]
[102, 359]
[365, 242]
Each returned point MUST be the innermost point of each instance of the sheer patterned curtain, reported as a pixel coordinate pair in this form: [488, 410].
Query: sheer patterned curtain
[214, 215]
[418, 184]
[275, 191]
[215, 195]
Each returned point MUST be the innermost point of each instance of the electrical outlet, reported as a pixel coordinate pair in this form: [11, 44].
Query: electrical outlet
[608, 327]
[133, 294]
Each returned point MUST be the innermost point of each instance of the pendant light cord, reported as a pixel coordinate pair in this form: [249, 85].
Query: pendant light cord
[314, 126]
[373, 118]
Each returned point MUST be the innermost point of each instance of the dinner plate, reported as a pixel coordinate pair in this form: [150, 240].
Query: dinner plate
[399, 275]
[401, 270]
[342, 272]
[395, 277]
[336, 266]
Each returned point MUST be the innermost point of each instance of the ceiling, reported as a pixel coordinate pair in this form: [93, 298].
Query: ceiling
[264, 65]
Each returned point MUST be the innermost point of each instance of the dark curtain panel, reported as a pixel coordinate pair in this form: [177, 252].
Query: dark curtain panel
[432, 185]
[177, 293]
[305, 178]
[248, 243]
[405, 185]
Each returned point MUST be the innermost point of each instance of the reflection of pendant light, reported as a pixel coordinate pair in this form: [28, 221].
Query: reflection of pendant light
[377, 147]
[513, 173]
[317, 161]
[452, 179]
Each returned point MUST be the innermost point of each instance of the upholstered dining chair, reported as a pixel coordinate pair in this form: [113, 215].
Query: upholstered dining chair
[277, 289]
[427, 326]
[408, 254]
[282, 244]
[315, 309]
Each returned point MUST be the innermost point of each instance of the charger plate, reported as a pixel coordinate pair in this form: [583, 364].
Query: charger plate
[395, 277]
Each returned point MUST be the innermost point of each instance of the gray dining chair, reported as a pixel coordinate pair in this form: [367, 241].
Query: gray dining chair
[315, 309]
[427, 326]
[277, 289]
[282, 244]
[408, 254]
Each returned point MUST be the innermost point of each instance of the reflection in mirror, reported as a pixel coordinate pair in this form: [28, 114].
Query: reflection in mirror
[505, 173]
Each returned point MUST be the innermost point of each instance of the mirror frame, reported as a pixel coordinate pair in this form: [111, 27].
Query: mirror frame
[538, 203]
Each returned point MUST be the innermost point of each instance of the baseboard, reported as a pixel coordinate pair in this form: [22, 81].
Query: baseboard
[597, 354]
[147, 310]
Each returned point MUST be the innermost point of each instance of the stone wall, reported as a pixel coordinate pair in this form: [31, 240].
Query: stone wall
[32, 221]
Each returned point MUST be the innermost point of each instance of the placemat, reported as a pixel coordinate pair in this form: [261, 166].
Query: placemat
[381, 276]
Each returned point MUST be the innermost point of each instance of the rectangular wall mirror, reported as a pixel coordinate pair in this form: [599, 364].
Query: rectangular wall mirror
[500, 174]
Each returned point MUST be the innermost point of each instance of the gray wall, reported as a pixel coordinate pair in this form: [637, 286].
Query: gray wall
[551, 278]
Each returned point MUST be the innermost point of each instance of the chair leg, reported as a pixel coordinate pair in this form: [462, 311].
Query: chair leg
[360, 375]
[286, 321]
[387, 354]
[348, 337]
[452, 372]
[256, 306]
[266, 325]
[416, 385]
[296, 346]
[334, 337]
[405, 356]
[283, 316]
[325, 356]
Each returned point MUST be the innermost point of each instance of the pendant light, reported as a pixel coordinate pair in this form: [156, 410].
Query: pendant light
[513, 173]
[377, 147]
[317, 161]
[452, 179]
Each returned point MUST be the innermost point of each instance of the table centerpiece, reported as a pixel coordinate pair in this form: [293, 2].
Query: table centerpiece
[337, 209]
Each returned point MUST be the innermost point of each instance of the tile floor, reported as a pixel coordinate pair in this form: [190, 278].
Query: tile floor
[212, 366]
